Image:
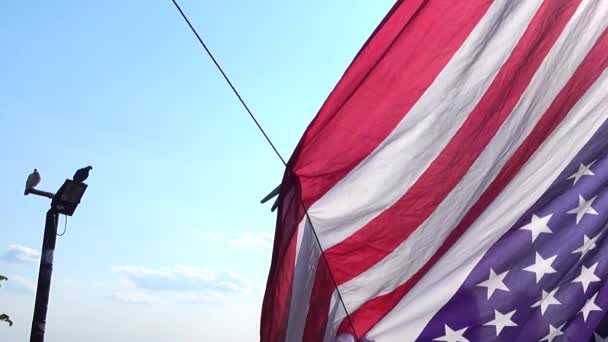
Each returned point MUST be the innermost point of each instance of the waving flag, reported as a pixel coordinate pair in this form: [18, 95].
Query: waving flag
[457, 182]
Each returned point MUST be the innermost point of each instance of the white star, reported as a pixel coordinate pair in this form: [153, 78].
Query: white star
[541, 266]
[583, 170]
[599, 338]
[588, 245]
[584, 207]
[452, 335]
[495, 282]
[546, 300]
[501, 321]
[553, 333]
[538, 225]
[590, 306]
[587, 277]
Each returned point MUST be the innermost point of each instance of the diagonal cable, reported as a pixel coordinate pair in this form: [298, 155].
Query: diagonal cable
[200, 40]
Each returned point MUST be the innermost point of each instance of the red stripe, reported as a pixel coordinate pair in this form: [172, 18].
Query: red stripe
[384, 233]
[587, 73]
[277, 298]
[387, 231]
[386, 79]
[314, 326]
[377, 105]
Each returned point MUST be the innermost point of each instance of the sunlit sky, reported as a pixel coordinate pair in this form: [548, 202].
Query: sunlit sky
[170, 242]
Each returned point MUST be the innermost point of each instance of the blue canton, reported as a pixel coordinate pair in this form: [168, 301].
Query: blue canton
[544, 280]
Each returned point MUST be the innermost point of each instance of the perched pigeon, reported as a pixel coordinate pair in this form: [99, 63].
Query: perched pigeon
[32, 180]
[82, 174]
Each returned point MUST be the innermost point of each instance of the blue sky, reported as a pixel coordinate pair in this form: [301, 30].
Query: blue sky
[170, 242]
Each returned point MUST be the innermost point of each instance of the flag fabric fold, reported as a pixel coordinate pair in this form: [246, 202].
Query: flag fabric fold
[455, 182]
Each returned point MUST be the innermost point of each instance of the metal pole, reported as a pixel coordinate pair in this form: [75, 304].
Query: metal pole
[44, 276]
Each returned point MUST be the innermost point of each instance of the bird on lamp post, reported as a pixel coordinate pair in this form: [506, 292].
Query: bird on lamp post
[32, 180]
[82, 174]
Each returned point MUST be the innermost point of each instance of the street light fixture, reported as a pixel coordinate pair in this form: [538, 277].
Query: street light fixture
[65, 202]
[68, 197]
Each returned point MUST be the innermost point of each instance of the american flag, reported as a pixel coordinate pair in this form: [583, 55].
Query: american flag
[457, 182]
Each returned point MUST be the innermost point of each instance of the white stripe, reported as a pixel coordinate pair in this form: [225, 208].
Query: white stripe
[575, 42]
[425, 131]
[434, 290]
[307, 256]
[358, 198]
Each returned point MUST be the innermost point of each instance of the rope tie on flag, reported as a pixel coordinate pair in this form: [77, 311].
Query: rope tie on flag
[276, 151]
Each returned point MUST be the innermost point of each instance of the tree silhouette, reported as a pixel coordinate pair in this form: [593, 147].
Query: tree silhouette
[5, 317]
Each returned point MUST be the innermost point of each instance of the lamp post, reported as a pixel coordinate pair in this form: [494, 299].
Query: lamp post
[64, 202]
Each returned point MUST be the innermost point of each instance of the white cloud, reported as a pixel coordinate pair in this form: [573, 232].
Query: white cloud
[201, 273]
[176, 273]
[262, 240]
[136, 297]
[18, 283]
[21, 254]
[244, 239]
[143, 296]
[142, 271]
[180, 283]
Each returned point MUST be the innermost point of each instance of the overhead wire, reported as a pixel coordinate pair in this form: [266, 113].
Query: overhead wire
[200, 40]
[276, 151]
